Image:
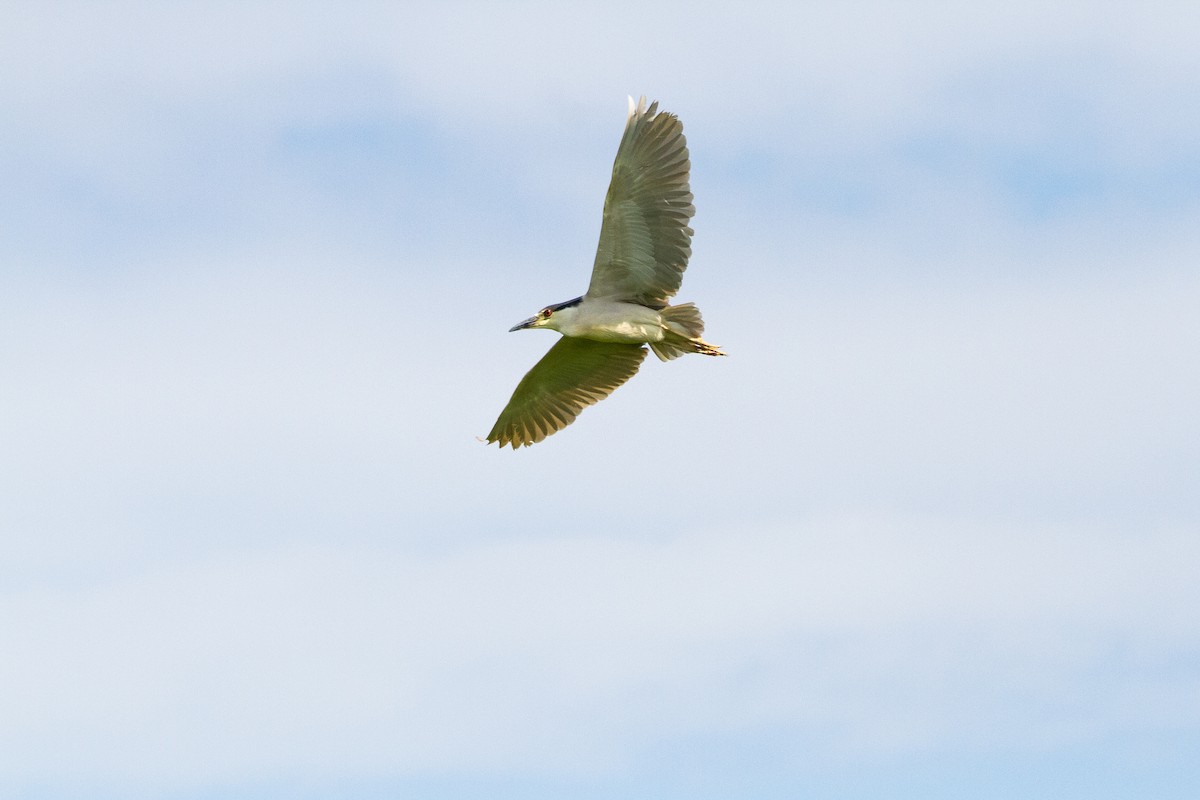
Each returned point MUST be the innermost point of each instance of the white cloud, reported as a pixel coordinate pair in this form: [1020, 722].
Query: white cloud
[258, 395]
[853, 73]
[264, 543]
[913, 636]
[937, 500]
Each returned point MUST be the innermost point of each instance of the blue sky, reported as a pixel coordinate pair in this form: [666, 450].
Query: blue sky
[930, 531]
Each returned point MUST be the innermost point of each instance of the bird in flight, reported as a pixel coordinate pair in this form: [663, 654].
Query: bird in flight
[644, 247]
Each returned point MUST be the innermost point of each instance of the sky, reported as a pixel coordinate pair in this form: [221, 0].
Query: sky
[930, 531]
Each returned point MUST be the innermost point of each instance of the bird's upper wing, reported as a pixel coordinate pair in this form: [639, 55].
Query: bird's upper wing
[573, 375]
[645, 241]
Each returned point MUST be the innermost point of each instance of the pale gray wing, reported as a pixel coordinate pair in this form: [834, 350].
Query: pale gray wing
[645, 241]
[573, 375]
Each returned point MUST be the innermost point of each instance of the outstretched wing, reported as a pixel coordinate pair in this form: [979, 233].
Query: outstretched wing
[573, 375]
[645, 241]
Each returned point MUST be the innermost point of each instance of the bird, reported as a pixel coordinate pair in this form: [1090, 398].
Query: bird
[645, 243]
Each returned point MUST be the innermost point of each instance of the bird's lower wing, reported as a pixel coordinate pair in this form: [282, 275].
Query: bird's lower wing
[573, 375]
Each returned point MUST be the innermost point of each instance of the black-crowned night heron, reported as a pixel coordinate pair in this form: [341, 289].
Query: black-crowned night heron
[644, 247]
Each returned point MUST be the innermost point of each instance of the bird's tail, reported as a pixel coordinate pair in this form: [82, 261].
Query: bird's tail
[683, 326]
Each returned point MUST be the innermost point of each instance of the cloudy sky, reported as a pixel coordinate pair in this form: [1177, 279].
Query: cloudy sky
[931, 531]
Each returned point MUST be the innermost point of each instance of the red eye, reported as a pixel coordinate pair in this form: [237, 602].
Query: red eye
[546, 313]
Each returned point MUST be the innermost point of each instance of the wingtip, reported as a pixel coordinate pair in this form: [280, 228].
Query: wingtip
[500, 439]
[636, 109]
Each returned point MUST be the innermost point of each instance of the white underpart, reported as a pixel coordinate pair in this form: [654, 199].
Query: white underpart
[608, 321]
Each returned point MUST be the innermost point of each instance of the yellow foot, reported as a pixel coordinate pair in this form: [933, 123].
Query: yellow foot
[706, 349]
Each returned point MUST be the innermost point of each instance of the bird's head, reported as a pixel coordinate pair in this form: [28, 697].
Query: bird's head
[549, 317]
